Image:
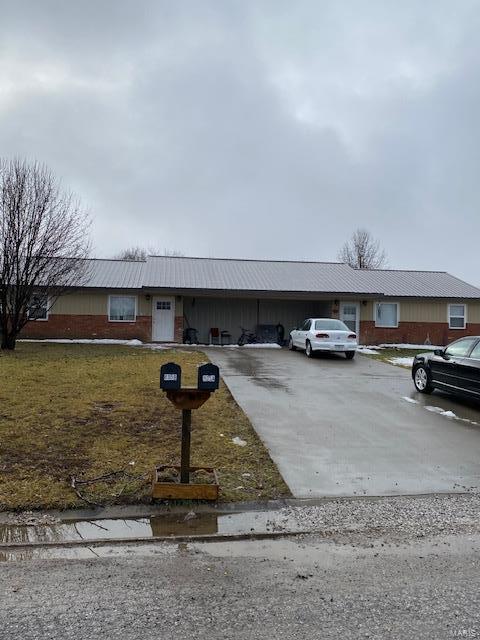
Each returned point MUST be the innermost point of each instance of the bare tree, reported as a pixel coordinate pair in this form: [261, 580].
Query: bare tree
[139, 254]
[135, 254]
[362, 251]
[44, 242]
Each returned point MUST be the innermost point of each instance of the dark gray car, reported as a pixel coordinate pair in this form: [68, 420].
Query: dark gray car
[455, 369]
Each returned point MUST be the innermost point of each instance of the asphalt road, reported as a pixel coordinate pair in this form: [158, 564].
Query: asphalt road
[250, 590]
[336, 427]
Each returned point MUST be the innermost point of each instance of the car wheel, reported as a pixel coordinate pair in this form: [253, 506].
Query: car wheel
[308, 349]
[421, 380]
[291, 346]
[350, 355]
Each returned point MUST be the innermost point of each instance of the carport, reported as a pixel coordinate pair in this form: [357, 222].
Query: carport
[231, 313]
[227, 294]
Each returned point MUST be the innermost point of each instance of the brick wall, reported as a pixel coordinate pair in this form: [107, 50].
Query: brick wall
[414, 333]
[178, 329]
[83, 326]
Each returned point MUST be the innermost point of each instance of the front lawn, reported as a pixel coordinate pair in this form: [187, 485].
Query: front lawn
[89, 410]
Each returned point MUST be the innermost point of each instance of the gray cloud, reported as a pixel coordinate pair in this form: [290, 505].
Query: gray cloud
[255, 129]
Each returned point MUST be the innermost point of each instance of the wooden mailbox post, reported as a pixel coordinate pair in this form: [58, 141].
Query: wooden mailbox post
[186, 399]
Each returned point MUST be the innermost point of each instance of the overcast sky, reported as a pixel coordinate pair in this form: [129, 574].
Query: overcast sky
[255, 129]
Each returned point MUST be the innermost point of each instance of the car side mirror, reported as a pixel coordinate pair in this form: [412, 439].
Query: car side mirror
[440, 352]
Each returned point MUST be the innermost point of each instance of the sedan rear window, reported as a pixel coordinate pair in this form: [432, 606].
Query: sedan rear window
[331, 325]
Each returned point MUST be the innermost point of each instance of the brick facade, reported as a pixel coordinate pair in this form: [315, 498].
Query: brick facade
[90, 327]
[96, 327]
[178, 329]
[414, 333]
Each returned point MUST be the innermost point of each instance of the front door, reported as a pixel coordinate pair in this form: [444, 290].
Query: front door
[350, 315]
[163, 319]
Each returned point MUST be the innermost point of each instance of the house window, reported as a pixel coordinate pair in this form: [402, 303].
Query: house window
[38, 307]
[386, 314]
[164, 305]
[122, 308]
[457, 316]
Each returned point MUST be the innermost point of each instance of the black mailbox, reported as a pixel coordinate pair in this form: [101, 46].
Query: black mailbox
[170, 376]
[208, 377]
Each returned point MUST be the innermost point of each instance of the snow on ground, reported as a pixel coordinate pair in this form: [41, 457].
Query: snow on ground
[401, 362]
[406, 345]
[130, 343]
[148, 345]
[441, 412]
[375, 348]
[255, 345]
[263, 345]
[369, 351]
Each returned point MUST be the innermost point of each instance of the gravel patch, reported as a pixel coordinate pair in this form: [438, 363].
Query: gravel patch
[394, 517]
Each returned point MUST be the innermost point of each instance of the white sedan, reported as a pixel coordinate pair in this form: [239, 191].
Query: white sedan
[323, 334]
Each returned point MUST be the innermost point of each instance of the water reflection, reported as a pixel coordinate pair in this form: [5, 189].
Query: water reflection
[164, 525]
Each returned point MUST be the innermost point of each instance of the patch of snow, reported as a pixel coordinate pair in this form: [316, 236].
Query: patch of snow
[239, 441]
[449, 414]
[197, 345]
[255, 345]
[129, 343]
[435, 409]
[262, 345]
[441, 412]
[368, 350]
[405, 345]
[467, 420]
[152, 345]
[401, 362]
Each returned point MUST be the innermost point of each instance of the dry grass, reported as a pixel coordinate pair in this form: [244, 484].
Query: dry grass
[386, 354]
[87, 410]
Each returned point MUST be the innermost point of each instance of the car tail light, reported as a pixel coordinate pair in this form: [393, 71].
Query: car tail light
[352, 336]
[322, 335]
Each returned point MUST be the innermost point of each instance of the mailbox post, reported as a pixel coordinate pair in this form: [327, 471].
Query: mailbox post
[186, 399]
[185, 452]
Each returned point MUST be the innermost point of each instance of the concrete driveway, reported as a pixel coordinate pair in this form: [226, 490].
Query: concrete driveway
[336, 427]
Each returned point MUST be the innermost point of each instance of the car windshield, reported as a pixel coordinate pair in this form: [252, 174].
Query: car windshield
[331, 325]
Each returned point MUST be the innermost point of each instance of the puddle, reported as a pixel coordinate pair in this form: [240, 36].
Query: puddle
[153, 526]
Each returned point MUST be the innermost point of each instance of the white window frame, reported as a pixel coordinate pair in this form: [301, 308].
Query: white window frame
[47, 313]
[386, 326]
[119, 295]
[449, 316]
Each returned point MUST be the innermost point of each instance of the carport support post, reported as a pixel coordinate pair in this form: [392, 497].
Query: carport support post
[185, 456]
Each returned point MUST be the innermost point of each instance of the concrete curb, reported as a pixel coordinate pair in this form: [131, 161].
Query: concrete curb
[100, 542]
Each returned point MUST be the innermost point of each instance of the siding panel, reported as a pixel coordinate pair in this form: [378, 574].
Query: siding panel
[95, 303]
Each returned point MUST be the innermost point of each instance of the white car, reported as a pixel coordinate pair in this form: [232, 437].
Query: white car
[324, 334]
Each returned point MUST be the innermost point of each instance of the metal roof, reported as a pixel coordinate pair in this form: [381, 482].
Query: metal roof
[224, 274]
[115, 274]
[252, 275]
[416, 284]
